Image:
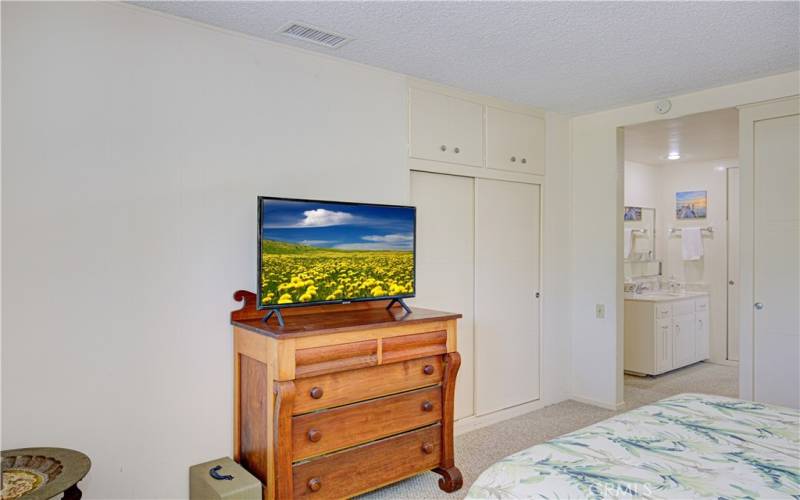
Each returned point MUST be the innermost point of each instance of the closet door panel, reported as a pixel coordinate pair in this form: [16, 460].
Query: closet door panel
[445, 262]
[445, 128]
[507, 233]
[514, 141]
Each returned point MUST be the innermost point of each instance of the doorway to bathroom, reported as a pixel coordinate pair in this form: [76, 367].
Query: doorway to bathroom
[681, 263]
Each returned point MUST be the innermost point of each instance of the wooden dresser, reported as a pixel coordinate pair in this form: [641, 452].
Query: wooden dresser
[343, 399]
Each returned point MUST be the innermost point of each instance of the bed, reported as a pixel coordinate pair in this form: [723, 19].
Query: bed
[686, 446]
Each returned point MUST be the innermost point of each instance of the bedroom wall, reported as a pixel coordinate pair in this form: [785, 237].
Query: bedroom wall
[597, 187]
[134, 145]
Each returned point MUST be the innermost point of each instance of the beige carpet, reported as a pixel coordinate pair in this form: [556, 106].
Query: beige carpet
[477, 450]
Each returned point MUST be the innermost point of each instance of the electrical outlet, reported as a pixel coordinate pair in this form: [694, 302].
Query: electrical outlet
[600, 311]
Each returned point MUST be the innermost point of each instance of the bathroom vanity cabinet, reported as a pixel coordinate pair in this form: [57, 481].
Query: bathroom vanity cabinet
[665, 332]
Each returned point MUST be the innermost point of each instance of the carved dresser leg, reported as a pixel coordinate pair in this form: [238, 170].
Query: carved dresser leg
[451, 477]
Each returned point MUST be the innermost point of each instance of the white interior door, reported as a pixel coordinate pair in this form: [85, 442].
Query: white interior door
[445, 262]
[733, 264]
[507, 310]
[776, 263]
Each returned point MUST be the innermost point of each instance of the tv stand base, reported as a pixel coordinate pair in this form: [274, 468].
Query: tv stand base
[402, 304]
[277, 313]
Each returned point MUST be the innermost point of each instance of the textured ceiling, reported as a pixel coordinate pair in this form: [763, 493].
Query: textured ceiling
[700, 137]
[572, 57]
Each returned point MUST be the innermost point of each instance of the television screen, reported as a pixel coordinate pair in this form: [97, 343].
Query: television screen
[313, 252]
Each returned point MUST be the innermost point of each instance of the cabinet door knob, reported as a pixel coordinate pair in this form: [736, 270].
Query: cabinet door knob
[316, 392]
[443, 147]
[314, 435]
[513, 159]
[427, 370]
[427, 448]
[758, 305]
[427, 406]
[456, 150]
[731, 282]
[524, 160]
[314, 484]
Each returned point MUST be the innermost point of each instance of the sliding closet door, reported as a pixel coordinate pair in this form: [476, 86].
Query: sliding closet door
[445, 262]
[506, 284]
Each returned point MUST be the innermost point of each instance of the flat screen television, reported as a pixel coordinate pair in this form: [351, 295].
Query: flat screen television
[325, 252]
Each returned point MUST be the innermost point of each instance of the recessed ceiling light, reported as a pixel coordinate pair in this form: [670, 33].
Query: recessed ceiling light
[674, 156]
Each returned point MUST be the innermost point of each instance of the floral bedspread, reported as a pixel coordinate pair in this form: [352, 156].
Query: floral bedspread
[686, 446]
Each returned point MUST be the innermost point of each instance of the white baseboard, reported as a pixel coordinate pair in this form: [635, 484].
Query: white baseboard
[607, 406]
[723, 362]
[471, 423]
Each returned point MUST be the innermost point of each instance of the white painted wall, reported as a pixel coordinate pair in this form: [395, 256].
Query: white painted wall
[597, 225]
[556, 263]
[134, 146]
[655, 186]
[641, 185]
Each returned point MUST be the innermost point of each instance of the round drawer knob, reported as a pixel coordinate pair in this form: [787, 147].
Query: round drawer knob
[524, 160]
[427, 370]
[427, 448]
[314, 435]
[443, 147]
[456, 150]
[427, 406]
[513, 159]
[314, 484]
[316, 392]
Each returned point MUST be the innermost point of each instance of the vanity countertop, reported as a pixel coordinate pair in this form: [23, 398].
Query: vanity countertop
[659, 296]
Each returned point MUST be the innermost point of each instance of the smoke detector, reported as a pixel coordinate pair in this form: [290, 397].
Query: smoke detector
[315, 35]
[663, 107]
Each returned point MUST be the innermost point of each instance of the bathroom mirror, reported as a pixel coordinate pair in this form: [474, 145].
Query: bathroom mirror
[639, 246]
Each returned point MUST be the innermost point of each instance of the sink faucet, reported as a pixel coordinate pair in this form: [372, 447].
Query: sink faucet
[640, 287]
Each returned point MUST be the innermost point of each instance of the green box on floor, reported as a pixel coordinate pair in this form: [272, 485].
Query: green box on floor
[222, 479]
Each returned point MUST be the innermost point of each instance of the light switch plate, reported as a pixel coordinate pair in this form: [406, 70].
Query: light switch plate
[600, 311]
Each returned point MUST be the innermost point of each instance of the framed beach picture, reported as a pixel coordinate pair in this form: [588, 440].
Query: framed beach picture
[633, 213]
[691, 204]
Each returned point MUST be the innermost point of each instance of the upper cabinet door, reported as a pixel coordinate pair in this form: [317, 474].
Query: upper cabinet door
[445, 128]
[514, 141]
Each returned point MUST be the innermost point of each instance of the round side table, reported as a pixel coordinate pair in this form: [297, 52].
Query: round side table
[42, 473]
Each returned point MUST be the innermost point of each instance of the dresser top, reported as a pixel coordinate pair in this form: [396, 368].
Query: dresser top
[327, 319]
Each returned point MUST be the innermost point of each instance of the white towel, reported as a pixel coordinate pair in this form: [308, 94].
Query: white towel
[628, 241]
[692, 243]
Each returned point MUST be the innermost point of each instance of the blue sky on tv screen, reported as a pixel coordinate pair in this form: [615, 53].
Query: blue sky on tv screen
[338, 225]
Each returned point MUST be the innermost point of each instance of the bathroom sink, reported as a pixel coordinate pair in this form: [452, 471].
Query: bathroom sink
[660, 295]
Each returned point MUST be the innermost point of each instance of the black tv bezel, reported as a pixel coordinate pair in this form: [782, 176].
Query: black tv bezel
[260, 306]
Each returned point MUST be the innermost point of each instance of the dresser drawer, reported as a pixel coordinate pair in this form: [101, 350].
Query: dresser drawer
[414, 346]
[356, 470]
[329, 430]
[663, 311]
[336, 389]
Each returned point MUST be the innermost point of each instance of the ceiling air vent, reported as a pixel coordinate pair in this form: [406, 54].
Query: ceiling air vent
[309, 33]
